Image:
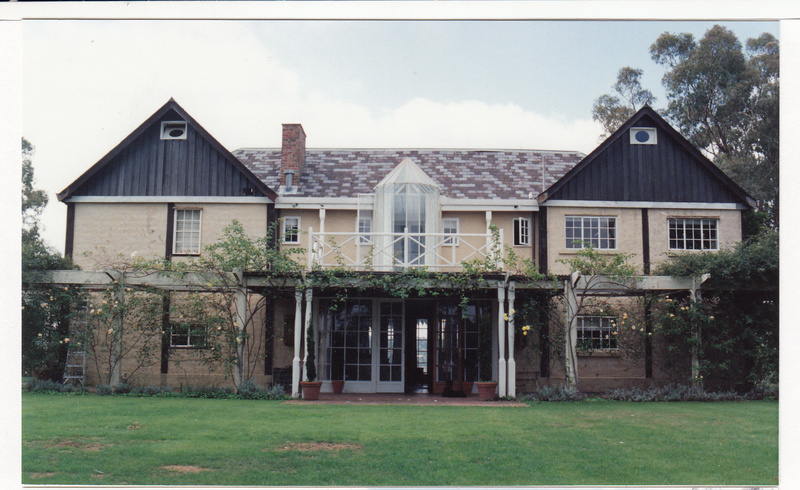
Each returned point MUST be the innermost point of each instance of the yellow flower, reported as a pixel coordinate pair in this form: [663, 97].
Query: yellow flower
[505, 317]
[110, 330]
[671, 315]
[525, 332]
[711, 318]
[511, 312]
[40, 335]
[66, 340]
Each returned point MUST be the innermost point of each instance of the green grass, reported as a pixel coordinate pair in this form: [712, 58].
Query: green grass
[81, 440]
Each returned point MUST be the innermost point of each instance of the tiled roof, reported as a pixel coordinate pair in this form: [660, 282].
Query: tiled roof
[461, 174]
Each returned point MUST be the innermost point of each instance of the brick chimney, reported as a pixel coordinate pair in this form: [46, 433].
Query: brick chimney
[293, 154]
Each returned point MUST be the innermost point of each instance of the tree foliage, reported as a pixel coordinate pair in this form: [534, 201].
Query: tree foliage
[725, 99]
[46, 309]
[613, 110]
[738, 316]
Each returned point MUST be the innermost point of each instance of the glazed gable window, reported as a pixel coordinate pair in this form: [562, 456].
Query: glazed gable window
[291, 229]
[522, 231]
[186, 239]
[591, 231]
[596, 333]
[365, 229]
[693, 234]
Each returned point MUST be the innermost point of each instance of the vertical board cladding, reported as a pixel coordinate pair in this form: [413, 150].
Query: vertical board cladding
[151, 166]
[662, 172]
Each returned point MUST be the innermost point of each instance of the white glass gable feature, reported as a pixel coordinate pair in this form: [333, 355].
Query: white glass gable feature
[406, 210]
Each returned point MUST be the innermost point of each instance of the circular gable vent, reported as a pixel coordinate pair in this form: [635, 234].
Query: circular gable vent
[643, 136]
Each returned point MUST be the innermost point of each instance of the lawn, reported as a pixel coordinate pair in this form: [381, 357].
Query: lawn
[92, 440]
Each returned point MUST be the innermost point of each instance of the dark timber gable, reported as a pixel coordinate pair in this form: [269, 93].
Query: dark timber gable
[670, 171]
[145, 165]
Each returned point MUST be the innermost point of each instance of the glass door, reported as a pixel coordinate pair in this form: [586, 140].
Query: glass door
[390, 347]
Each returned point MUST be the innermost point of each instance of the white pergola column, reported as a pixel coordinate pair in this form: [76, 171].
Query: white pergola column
[571, 329]
[117, 324]
[512, 365]
[697, 382]
[298, 332]
[501, 339]
[306, 327]
[240, 304]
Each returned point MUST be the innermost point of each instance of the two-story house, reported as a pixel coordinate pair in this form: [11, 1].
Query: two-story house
[170, 188]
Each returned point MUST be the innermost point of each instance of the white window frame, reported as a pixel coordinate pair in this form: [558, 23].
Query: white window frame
[523, 238]
[167, 126]
[191, 340]
[706, 230]
[452, 238]
[179, 246]
[601, 328]
[585, 237]
[652, 132]
[285, 228]
[364, 228]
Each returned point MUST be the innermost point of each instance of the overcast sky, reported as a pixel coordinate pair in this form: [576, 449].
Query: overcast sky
[398, 84]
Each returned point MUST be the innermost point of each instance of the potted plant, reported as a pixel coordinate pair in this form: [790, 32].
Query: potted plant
[487, 390]
[311, 386]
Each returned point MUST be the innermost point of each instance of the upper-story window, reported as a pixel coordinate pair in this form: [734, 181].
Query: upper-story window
[365, 229]
[591, 231]
[186, 239]
[291, 229]
[693, 234]
[450, 229]
[522, 231]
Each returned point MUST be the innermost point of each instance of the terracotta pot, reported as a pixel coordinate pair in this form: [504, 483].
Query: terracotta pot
[487, 390]
[466, 387]
[438, 387]
[338, 385]
[310, 389]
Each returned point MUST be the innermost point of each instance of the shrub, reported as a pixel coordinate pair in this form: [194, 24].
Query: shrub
[123, 388]
[43, 386]
[103, 389]
[554, 394]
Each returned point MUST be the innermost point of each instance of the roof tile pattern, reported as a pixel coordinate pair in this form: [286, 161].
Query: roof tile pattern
[461, 174]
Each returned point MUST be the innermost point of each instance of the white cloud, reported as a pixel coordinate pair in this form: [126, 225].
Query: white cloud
[89, 84]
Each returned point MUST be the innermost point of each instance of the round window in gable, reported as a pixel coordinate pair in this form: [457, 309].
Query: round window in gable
[643, 136]
[173, 130]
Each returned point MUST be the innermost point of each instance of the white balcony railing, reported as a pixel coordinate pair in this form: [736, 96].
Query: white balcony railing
[392, 251]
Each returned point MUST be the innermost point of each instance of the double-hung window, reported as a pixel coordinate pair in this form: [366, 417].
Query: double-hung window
[450, 229]
[291, 229]
[365, 229]
[186, 238]
[596, 333]
[591, 231]
[522, 232]
[693, 234]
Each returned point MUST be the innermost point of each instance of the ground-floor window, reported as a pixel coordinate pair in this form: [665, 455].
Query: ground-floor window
[596, 333]
[348, 327]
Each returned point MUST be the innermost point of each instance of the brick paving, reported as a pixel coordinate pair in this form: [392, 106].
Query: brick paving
[402, 399]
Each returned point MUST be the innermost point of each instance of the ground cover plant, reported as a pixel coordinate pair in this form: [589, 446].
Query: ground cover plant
[95, 440]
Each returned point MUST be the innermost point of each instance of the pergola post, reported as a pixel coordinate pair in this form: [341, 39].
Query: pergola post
[240, 304]
[512, 365]
[115, 379]
[306, 327]
[571, 329]
[501, 339]
[298, 332]
[697, 382]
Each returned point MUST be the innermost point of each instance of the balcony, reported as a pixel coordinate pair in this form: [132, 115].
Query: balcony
[443, 252]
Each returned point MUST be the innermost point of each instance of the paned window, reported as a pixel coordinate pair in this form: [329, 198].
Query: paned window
[349, 355]
[450, 228]
[365, 229]
[693, 234]
[291, 229]
[187, 335]
[591, 231]
[522, 231]
[596, 333]
[186, 239]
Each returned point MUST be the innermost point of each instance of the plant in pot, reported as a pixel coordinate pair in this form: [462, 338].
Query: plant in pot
[311, 386]
[487, 387]
[337, 371]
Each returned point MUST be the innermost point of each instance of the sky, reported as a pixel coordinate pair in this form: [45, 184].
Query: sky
[352, 84]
